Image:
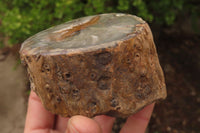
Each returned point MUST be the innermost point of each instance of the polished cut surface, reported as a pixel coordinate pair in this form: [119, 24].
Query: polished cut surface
[102, 64]
[83, 33]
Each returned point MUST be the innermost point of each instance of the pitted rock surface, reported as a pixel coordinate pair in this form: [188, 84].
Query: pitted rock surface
[103, 64]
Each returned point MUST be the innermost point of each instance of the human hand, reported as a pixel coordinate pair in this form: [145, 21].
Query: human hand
[39, 120]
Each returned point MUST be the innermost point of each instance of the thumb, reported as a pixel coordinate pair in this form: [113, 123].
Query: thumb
[82, 124]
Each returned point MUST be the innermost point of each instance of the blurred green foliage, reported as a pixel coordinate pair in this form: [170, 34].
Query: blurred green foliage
[20, 19]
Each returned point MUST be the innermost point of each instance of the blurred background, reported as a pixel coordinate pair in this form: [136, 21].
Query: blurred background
[176, 28]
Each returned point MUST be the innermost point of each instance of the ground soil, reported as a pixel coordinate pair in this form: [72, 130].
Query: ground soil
[180, 113]
[12, 98]
[180, 59]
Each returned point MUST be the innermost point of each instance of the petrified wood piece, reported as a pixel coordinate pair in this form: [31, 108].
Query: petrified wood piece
[103, 64]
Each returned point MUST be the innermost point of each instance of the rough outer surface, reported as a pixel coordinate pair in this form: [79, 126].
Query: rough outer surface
[117, 74]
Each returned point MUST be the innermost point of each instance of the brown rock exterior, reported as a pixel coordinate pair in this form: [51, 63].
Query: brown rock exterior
[103, 64]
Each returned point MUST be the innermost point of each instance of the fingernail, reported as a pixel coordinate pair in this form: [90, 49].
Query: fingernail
[71, 128]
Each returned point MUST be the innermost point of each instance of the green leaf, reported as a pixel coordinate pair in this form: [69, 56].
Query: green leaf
[123, 5]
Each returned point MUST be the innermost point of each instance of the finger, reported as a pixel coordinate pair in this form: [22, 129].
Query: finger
[82, 124]
[61, 124]
[105, 122]
[38, 118]
[138, 122]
